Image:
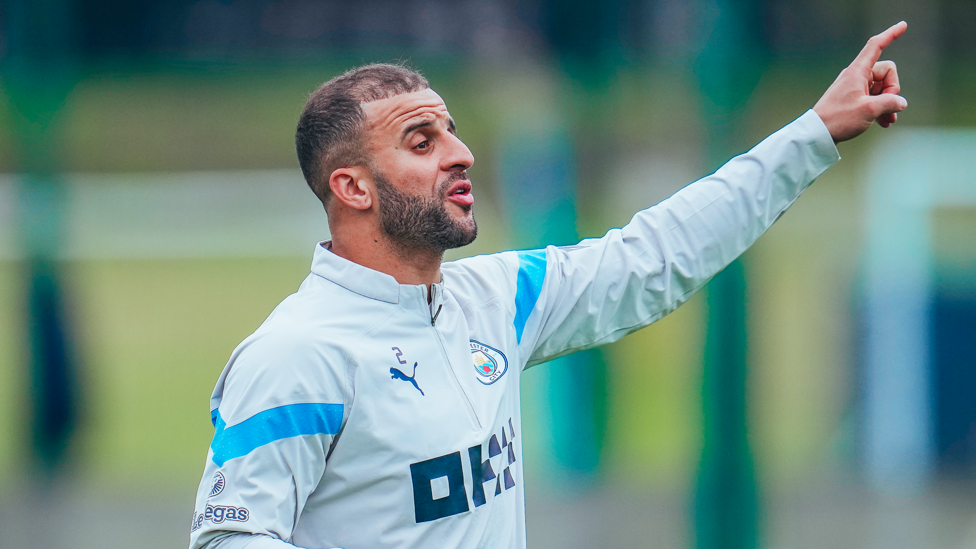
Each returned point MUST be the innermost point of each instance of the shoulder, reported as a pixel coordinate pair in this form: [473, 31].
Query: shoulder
[278, 366]
[303, 353]
[482, 277]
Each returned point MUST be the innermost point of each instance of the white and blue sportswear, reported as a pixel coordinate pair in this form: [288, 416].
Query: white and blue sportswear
[359, 415]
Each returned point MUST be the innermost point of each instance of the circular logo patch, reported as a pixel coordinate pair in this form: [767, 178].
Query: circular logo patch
[489, 362]
[484, 364]
[218, 484]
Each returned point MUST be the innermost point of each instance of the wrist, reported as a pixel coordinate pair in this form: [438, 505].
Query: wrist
[827, 122]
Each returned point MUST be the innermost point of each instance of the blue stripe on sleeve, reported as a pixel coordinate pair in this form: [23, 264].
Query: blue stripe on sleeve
[270, 425]
[531, 275]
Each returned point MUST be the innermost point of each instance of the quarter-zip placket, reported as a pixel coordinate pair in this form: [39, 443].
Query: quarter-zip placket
[436, 304]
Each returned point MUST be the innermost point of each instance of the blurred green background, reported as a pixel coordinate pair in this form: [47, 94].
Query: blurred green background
[183, 220]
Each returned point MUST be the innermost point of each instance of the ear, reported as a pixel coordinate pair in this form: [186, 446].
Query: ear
[353, 187]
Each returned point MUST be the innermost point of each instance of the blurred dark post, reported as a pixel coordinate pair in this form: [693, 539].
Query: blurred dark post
[586, 47]
[538, 166]
[726, 503]
[37, 75]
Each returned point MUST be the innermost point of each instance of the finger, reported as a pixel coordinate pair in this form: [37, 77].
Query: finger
[886, 103]
[886, 120]
[876, 44]
[876, 88]
[884, 78]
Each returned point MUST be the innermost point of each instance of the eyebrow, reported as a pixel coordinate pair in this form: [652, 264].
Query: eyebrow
[414, 127]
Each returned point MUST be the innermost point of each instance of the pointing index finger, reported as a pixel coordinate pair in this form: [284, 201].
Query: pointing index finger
[876, 44]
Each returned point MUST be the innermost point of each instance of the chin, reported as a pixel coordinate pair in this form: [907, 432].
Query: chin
[469, 227]
[465, 218]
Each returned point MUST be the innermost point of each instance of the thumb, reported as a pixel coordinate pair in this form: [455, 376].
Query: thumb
[886, 103]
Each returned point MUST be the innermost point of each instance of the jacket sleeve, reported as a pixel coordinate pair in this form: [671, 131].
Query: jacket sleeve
[248, 541]
[576, 297]
[276, 409]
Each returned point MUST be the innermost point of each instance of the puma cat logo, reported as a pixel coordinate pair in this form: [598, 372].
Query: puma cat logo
[397, 374]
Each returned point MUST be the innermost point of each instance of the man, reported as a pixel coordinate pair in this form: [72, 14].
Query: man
[379, 405]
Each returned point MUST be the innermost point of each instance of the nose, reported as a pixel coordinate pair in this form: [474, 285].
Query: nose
[457, 155]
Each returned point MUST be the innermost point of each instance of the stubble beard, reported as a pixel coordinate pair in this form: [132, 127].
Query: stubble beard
[421, 224]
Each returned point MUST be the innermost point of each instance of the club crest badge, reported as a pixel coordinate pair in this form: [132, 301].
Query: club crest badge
[489, 362]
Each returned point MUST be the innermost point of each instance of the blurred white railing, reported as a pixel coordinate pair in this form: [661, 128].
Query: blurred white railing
[190, 214]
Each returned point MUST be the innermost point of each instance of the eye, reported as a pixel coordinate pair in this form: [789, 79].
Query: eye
[423, 146]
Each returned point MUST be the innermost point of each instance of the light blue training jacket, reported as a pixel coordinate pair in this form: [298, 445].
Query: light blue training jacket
[361, 416]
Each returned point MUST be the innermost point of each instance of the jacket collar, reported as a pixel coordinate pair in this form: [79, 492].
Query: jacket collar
[353, 276]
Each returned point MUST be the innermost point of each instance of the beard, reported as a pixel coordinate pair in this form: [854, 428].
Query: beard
[417, 223]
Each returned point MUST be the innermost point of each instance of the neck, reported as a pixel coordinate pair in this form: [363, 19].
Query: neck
[374, 250]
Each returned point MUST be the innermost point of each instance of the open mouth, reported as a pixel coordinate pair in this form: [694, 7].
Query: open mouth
[460, 193]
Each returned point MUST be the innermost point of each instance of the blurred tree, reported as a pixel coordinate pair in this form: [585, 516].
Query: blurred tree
[538, 170]
[726, 514]
[38, 76]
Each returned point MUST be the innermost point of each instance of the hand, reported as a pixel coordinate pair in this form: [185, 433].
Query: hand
[865, 91]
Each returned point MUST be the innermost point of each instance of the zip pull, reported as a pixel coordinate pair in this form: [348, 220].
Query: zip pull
[434, 301]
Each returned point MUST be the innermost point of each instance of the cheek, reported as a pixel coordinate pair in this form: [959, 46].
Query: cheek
[417, 177]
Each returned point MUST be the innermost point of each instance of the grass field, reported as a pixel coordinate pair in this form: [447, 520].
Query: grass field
[155, 335]
[13, 386]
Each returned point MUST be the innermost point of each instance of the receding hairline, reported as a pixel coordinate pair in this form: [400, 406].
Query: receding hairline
[371, 119]
[334, 127]
[367, 106]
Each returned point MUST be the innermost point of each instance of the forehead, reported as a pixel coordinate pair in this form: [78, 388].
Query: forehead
[393, 114]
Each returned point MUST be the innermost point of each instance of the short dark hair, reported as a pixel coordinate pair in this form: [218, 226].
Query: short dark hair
[332, 129]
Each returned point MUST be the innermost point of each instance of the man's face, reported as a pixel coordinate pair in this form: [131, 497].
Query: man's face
[419, 168]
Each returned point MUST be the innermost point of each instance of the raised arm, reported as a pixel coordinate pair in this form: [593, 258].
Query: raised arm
[602, 289]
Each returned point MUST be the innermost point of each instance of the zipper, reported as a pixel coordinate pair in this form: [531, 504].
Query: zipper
[457, 383]
[447, 360]
[434, 301]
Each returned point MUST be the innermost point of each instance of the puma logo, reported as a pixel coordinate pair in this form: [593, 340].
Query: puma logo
[397, 374]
